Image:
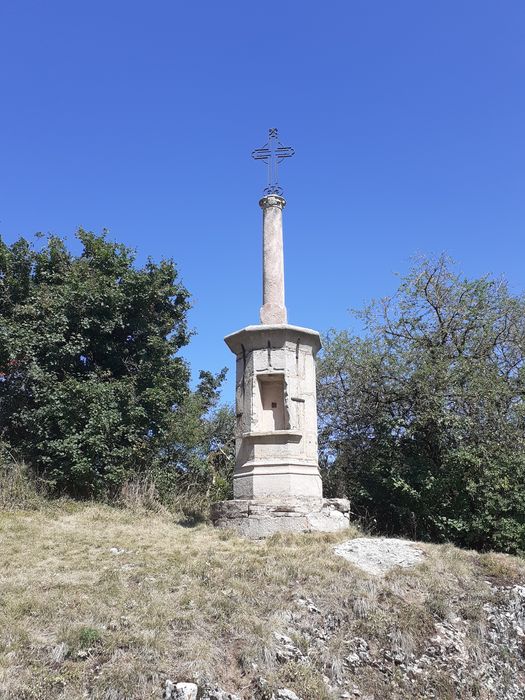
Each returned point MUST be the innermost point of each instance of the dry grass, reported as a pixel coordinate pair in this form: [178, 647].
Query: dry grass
[18, 488]
[80, 620]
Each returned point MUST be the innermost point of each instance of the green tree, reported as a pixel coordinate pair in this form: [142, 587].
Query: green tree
[89, 373]
[422, 420]
[200, 446]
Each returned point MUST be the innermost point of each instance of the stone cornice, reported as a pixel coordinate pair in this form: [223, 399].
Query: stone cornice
[253, 337]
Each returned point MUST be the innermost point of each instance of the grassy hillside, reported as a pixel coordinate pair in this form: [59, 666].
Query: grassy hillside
[100, 602]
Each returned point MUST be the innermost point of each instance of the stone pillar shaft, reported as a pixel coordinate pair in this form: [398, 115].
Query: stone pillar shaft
[273, 310]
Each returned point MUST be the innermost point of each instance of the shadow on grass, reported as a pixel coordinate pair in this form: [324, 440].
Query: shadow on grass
[193, 519]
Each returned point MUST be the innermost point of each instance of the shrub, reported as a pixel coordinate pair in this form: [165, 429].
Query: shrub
[89, 372]
[423, 420]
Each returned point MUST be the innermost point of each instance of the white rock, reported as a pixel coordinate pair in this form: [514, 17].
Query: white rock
[377, 555]
[285, 694]
[117, 550]
[180, 691]
[186, 691]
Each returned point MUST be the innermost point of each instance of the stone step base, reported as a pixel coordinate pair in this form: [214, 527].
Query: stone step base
[261, 518]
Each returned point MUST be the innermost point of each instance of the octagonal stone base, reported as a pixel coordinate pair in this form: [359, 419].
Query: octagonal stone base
[261, 518]
[268, 481]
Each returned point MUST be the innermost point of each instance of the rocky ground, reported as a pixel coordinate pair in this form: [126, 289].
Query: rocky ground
[100, 603]
[500, 675]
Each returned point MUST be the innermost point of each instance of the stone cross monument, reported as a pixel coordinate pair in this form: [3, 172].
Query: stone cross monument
[276, 481]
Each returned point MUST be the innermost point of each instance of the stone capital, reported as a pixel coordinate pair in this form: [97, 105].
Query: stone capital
[272, 200]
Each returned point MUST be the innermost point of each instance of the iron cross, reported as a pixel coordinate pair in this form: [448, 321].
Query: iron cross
[273, 153]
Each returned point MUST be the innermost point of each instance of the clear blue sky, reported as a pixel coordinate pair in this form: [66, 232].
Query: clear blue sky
[408, 120]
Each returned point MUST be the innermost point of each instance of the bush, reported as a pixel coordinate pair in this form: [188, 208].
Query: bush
[423, 420]
[89, 373]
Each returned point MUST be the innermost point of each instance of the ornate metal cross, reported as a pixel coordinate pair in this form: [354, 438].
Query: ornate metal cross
[273, 153]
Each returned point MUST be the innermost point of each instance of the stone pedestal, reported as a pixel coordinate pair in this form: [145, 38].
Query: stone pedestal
[257, 519]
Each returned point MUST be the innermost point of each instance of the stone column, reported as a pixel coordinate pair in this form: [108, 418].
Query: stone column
[273, 310]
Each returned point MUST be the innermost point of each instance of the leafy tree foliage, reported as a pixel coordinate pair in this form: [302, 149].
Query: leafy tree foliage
[423, 419]
[200, 446]
[89, 372]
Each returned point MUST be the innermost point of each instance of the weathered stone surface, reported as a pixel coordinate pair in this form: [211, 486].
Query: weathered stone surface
[192, 691]
[266, 518]
[260, 527]
[286, 649]
[276, 430]
[180, 691]
[215, 693]
[284, 507]
[285, 694]
[327, 521]
[377, 555]
[261, 690]
[341, 504]
[273, 309]
[231, 509]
